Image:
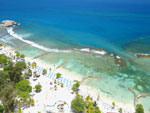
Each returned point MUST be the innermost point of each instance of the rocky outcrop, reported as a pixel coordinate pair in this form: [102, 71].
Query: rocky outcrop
[143, 55]
[8, 23]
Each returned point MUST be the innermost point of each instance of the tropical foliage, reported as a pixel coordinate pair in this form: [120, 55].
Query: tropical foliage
[38, 87]
[13, 87]
[79, 105]
[76, 85]
[1, 109]
[58, 75]
[44, 71]
[139, 108]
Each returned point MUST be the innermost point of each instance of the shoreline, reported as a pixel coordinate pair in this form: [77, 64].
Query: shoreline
[72, 76]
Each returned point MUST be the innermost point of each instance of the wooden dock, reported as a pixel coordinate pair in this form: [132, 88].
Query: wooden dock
[22, 47]
[64, 63]
[41, 55]
[89, 76]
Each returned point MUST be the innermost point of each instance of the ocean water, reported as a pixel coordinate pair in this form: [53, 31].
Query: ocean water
[120, 27]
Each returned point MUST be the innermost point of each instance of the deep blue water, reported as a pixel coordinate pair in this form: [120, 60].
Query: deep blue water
[99, 23]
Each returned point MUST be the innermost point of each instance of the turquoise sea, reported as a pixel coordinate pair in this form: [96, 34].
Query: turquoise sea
[119, 27]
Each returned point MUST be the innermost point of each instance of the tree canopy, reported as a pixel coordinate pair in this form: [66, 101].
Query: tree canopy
[139, 108]
[4, 59]
[78, 104]
[58, 75]
[38, 87]
[76, 85]
[1, 109]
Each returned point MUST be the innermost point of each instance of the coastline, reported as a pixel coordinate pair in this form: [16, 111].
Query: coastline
[72, 76]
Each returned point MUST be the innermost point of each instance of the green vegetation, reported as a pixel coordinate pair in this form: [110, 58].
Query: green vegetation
[19, 55]
[13, 88]
[120, 110]
[55, 81]
[38, 87]
[62, 85]
[113, 104]
[33, 65]
[23, 88]
[31, 102]
[76, 85]
[44, 71]
[79, 105]
[30, 72]
[22, 56]
[1, 109]
[29, 63]
[58, 75]
[139, 108]
[15, 71]
[4, 59]
[7, 96]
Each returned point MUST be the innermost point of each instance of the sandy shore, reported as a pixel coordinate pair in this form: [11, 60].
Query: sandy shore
[84, 90]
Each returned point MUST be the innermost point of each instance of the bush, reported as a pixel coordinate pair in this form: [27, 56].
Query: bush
[33, 65]
[62, 85]
[113, 103]
[76, 86]
[38, 87]
[44, 71]
[78, 104]
[17, 54]
[24, 86]
[58, 75]
[139, 108]
[29, 63]
[1, 109]
[22, 56]
[55, 81]
[120, 110]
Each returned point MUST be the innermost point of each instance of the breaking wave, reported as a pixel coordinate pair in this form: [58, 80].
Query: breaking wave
[88, 50]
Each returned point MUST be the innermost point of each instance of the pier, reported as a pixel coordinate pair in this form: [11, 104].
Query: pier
[89, 76]
[64, 63]
[41, 55]
[22, 47]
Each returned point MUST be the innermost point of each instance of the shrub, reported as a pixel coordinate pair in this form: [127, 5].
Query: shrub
[113, 103]
[44, 71]
[1, 109]
[24, 86]
[58, 75]
[78, 104]
[17, 54]
[139, 108]
[55, 81]
[120, 110]
[62, 85]
[38, 87]
[22, 56]
[76, 86]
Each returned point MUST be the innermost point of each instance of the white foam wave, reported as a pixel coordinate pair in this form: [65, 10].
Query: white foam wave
[102, 52]
[15, 35]
[12, 33]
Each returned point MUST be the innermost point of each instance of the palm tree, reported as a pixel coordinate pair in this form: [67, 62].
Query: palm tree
[88, 99]
[32, 102]
[29, 63]
[90, 108]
